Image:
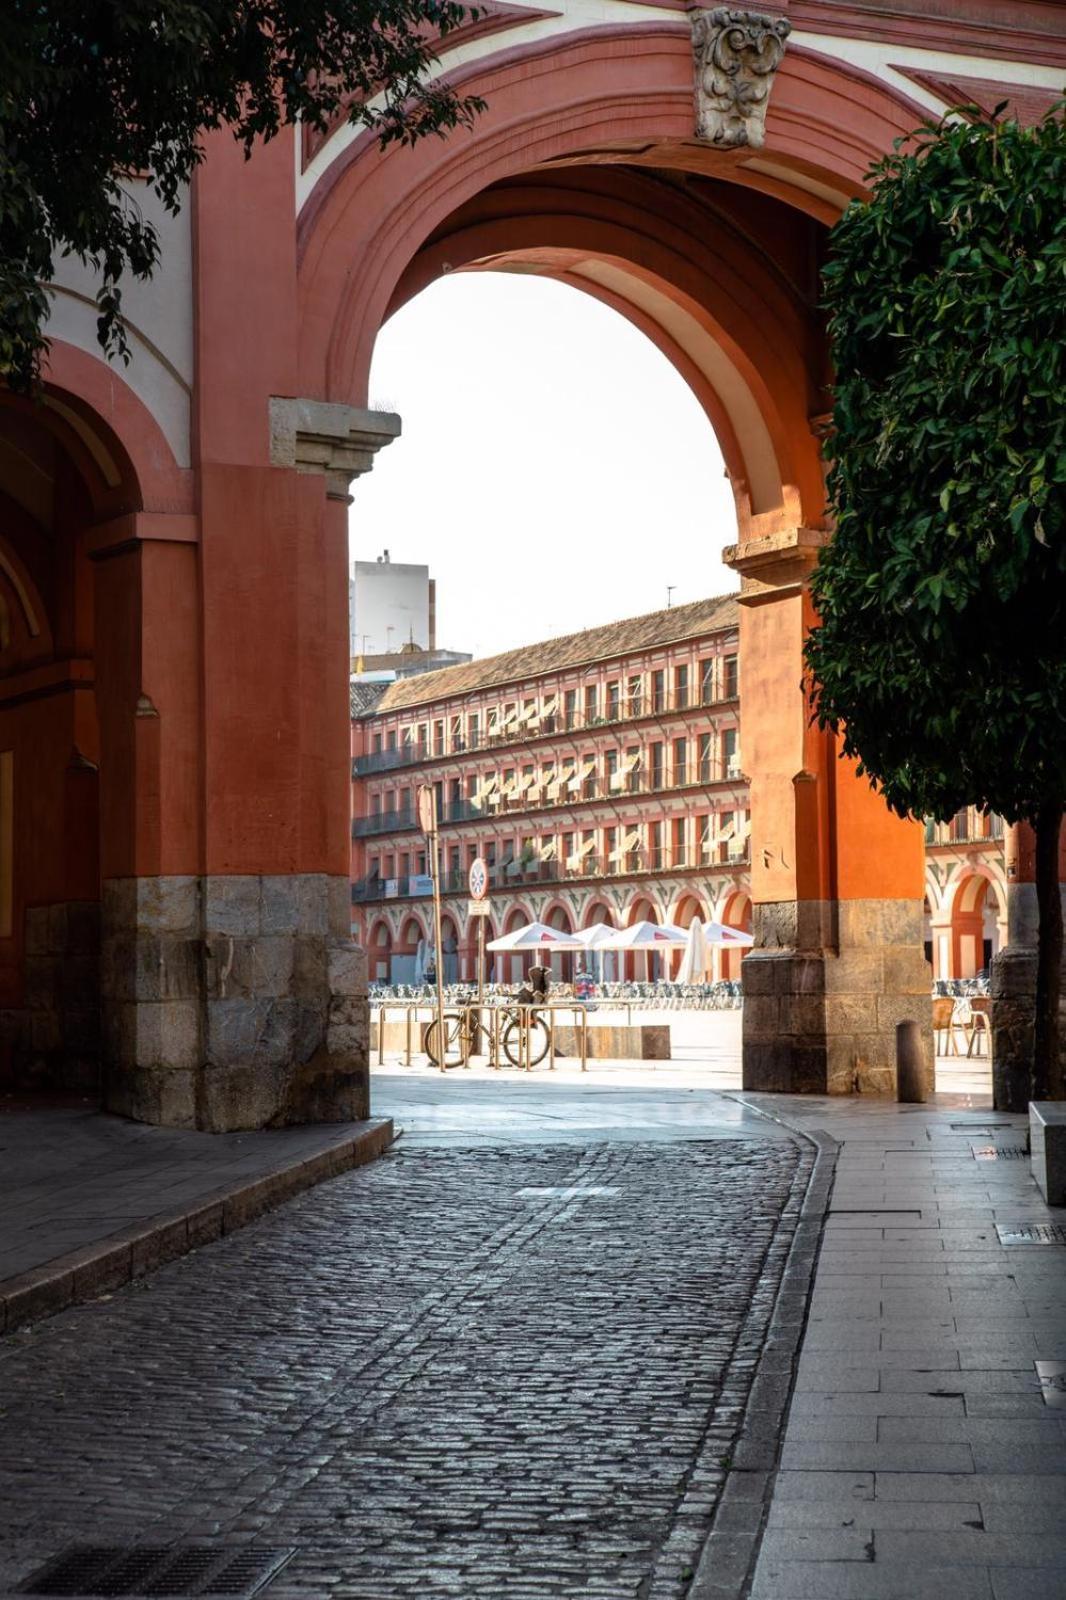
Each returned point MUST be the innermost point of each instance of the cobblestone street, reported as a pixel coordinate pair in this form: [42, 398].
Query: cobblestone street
[514, 1370]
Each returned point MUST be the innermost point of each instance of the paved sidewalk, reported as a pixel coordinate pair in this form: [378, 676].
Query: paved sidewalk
[90, 1201]
[920, 1457]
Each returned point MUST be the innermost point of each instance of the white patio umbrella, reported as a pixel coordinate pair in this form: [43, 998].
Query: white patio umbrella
[693, 968]
[647, 936]
[536, 936]
[592, 938]
[721, 933]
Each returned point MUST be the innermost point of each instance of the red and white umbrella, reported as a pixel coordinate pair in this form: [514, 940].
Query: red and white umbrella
[647, 936]
[722, 933]
[536, 936]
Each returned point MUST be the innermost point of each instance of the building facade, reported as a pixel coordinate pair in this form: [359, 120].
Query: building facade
[599, 776]
[966, 893]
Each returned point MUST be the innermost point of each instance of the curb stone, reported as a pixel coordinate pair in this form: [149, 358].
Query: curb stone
[132, 1252]
[727, 1562]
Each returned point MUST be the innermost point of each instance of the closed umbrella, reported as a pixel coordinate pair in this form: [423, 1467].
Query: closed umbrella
[693, 967]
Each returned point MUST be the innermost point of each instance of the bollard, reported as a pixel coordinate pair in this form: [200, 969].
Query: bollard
[910, 1064]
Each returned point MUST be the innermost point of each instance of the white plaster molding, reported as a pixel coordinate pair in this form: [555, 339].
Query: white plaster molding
[736, 54]
[338, 441]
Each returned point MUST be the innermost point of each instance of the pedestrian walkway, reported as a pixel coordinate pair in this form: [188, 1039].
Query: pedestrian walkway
[89, 1201]
[922, 1455]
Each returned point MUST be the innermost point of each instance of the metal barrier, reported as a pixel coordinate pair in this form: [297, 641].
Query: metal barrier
[500, 1015]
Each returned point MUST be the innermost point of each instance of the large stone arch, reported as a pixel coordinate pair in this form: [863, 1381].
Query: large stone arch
[585, 168]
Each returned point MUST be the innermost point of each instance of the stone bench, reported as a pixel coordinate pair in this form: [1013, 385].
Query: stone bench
[1047, 1147]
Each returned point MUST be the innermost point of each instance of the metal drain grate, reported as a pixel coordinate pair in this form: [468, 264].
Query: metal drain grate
[1000, 1152]
[575, 1192]
[1038, 1233]
[150, 1570]
[982, 1128]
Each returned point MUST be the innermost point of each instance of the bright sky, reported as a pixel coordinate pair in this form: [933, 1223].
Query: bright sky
[555, 471]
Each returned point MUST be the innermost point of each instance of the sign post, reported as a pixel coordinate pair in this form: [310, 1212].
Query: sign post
[427, 820]
[478, 883]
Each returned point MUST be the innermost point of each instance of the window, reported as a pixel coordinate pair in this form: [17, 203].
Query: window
[455, 797]
[730, 678]
[377, 744]
[632, 777]
[375, 805]
[454, 866]
[568, 851]
[405, 803]
[658, 691]
[455, 731]
[405, 866]
[658, 765]
[727, 827]
[570, 708]
[707, 680]
[678, 842]
[490, 853]
[611, 850]
[438, 738]
[703, 826]
[655, 844]
[730, 756]
[423, 737]
[680, 687]
[591, 703]
[680, 761]
[473, 726]
[387, 863]
[635, 692]
[706, 759]
[390, 742]
[471, 785]
[614, 701]
[612, 778]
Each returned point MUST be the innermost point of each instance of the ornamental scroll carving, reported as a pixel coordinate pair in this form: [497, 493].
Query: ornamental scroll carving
[737, 53]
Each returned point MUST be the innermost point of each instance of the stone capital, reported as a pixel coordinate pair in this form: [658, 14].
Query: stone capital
[338, 441]
[736, 54]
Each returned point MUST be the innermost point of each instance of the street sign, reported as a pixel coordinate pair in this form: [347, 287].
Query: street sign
[427, 809]
[477, 908]
[478, 879]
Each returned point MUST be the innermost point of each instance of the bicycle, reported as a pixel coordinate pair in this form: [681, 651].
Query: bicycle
[465, 1036]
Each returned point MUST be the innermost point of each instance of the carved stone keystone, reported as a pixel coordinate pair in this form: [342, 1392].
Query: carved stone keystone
[737, 53]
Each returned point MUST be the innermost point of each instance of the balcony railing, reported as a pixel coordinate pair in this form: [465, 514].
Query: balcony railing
[968, 827]
[517, 874]
[629, 708]
[394, 820]
[659, 780]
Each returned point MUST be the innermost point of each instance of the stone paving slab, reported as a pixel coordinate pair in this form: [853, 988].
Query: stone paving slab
[91, 1201]
[919, 1457]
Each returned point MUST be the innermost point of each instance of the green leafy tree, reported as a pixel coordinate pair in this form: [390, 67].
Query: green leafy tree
[941, 653]
[94, 90]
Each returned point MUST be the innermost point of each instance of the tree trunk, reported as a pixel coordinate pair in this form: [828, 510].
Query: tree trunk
[1047, 1067]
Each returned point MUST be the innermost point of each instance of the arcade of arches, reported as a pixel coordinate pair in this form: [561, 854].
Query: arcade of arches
[174, 797]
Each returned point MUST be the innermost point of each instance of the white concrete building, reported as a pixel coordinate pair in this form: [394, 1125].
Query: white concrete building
[390, 604]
